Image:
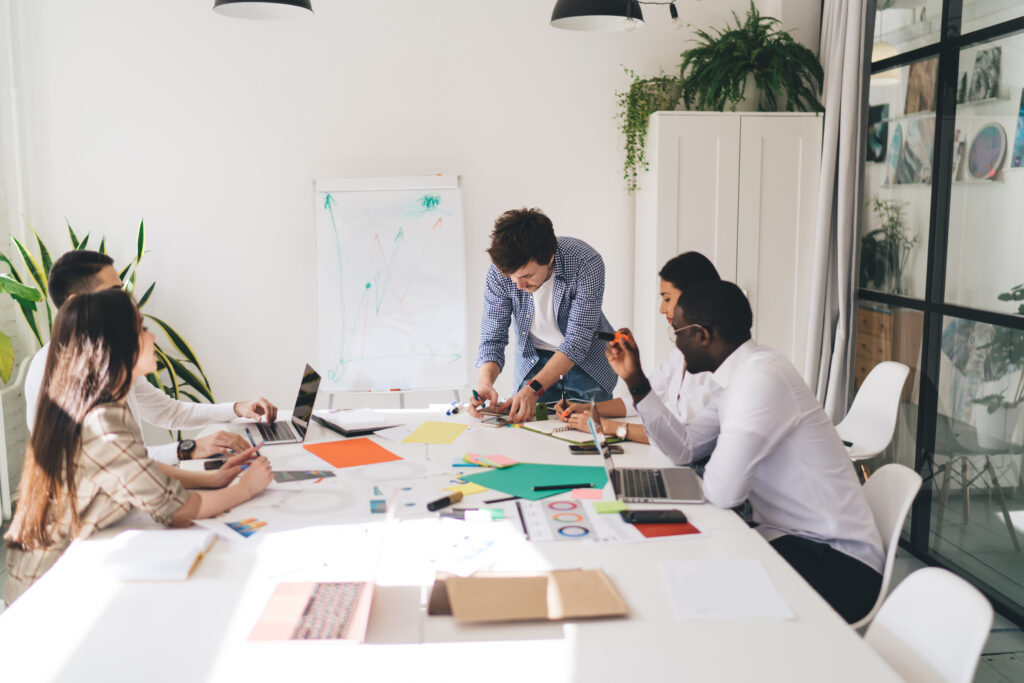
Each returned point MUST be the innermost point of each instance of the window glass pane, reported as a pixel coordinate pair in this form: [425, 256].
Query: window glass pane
[978, 505]
[903, 25]
[986, 242]
[897, 177]
[981, 13]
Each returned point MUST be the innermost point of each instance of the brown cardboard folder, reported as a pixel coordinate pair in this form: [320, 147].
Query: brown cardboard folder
[499, 596]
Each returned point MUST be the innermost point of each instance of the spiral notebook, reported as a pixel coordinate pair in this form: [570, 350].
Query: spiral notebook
[559, 430]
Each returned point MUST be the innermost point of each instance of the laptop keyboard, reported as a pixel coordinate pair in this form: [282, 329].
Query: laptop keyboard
[276, 431]
[642, 483]
[329, 611]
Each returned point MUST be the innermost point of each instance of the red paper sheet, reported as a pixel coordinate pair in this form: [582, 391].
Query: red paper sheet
[656, 530]
[351, 452]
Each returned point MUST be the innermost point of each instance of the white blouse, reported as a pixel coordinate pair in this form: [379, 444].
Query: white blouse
[683, 394]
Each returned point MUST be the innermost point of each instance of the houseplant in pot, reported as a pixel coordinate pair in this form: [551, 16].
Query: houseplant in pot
[750, 66]
[997, 412]
[636, 104]
[885, 251]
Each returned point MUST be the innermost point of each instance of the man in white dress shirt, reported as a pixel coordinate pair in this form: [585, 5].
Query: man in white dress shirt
[770, 443]
[82, 271]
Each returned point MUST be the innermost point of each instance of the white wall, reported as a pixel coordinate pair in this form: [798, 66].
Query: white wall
[213, 130]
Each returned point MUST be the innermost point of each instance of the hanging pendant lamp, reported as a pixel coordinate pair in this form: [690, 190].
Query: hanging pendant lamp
[264, 9]
[597, 15]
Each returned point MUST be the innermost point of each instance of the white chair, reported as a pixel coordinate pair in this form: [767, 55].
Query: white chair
[871, 420]
[889, 492]
[932, 628]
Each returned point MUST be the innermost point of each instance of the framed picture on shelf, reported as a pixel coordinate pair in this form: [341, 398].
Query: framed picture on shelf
[915, 164]
[878, 132]
[921, 86]
[1018, 143]
[985, 77]
[893, 160]
[961, 88]
[987, 151]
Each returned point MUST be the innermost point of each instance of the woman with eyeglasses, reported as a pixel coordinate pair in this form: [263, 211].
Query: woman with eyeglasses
[683, 394]
[86, 465]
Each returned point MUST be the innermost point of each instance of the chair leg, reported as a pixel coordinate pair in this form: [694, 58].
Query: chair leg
[1002, 502]
[865, 471]
[967, 489]
[943, 499]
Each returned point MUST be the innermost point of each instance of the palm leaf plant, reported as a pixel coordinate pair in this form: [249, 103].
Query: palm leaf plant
[179, 373]
[714, 72]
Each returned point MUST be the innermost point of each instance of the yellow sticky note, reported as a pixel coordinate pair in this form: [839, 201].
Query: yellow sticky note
[436, 432]
[467, 489]
[606, 506]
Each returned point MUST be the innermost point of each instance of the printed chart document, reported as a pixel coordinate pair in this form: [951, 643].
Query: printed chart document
[158, 555]
[723, 590]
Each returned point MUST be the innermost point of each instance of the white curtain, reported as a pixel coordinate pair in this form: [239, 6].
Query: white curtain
[845, 58]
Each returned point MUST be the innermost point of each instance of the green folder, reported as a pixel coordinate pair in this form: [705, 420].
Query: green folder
[520, 479]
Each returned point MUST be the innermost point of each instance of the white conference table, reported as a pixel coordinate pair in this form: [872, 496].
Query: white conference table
[78, 624]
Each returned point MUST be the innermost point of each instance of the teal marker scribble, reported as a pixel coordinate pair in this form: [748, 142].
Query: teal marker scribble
[429, 202]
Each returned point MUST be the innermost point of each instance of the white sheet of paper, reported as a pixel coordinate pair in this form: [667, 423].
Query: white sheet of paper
[723, 590]
[396, 433]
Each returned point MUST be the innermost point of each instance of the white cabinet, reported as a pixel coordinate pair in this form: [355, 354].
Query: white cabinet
[741, 188]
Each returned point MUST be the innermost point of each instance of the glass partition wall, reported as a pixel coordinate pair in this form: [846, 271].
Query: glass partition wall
[942, 274]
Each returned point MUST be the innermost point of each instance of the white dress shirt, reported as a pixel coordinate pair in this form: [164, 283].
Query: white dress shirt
[544, 331]
[771, 443]
[146, 402]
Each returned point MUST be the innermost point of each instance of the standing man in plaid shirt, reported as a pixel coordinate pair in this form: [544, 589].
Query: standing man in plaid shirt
[553, 288]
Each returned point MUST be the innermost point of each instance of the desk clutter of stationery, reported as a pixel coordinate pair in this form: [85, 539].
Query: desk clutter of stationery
[526, 560]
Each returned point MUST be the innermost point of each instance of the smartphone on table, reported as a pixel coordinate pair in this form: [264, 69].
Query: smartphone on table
[654, 516]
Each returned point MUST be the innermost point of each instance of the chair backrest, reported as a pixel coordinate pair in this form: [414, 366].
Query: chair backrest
[890, 492]
[871, 420]
[932, 628]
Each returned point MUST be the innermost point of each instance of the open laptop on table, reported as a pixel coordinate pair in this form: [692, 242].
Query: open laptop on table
[646, 484]
[294, 431]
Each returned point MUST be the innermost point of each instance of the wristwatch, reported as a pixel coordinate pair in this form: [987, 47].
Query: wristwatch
[186, 447]
[622, 431]
[537, 387]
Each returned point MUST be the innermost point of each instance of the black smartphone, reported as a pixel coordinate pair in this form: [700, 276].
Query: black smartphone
[653, 516]
[213, 464]
[589, 448]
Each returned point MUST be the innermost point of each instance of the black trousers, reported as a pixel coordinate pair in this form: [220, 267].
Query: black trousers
[849, 585]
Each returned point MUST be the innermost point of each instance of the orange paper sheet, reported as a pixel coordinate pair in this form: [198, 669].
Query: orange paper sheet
[657, 530]
[351, 452]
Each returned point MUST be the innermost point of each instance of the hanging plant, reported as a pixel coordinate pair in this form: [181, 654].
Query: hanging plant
[714, 73]
[643, 97]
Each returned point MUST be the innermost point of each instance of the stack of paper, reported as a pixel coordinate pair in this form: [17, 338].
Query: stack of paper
[353, 422]
[489, 460]
[158, 555]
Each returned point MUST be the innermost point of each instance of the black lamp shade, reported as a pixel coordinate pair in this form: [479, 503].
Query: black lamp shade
[263, 9]
[595, 15]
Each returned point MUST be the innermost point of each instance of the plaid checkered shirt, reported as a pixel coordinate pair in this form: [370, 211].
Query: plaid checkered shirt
[578, 293]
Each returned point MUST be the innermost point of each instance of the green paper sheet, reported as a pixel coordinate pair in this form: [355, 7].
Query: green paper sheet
[520, 480]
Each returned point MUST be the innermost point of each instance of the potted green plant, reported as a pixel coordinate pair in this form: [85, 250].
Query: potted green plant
[178, 374]
[885, 251]
[725, 65]
[636, 104]
[996, 413]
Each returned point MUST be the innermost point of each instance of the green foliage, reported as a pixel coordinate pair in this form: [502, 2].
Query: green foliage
[643, 97]
[714, 73]
[1005, 356]
[173, 375]
[885, 251]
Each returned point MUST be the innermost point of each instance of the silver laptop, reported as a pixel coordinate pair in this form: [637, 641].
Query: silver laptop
[648, 484]
[293, 431]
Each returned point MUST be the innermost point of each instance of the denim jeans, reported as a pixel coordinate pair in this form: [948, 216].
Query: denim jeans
[578, 384]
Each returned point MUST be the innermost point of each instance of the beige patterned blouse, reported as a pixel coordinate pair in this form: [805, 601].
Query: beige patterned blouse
[113, 476]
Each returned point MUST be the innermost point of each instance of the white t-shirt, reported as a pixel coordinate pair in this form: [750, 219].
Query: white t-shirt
[544, 331]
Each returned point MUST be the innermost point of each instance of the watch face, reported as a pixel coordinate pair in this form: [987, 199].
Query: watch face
[536, 386]
[621, 431]
[188, 444]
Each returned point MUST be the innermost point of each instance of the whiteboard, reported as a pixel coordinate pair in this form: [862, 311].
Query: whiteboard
[390, 284]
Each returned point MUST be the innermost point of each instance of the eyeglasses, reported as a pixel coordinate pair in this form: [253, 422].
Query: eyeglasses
[674, 332]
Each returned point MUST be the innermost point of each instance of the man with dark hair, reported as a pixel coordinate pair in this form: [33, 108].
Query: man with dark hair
[770, 443]
[553, 288]
[80, 272]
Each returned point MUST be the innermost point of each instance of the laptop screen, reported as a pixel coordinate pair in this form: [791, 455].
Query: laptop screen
[602, 446]
[307, 396]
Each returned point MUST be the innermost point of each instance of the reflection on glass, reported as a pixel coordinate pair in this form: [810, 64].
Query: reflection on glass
[981, 13]
[986, 243]
[903, 26]
[898, 174]
[978, 514]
